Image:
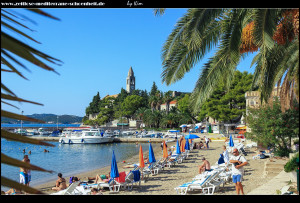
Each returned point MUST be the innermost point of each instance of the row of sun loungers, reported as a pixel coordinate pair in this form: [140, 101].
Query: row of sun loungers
[127, 181]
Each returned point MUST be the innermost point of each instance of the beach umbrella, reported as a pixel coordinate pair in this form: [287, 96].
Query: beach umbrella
[151, 154]
[187, 145]
[191, 136]
[231, 144]
[141, 158]
[182, 145]
[177, 148]
[174, 131]
[165, 151]
[114, 173]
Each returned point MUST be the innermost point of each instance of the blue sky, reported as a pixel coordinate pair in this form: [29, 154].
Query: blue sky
[97, 47]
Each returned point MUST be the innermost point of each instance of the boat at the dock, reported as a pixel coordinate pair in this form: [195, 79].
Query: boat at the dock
[90, 136]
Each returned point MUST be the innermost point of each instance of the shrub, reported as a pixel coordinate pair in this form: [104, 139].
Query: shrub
[292, 165]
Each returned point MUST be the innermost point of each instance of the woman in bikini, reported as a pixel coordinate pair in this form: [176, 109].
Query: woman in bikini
[60, 183]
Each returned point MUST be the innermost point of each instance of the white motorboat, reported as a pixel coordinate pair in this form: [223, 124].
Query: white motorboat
[116, 132]
[154, 134]
[43, 132]
[21, 131]
[91, 136]
[172, 134]
[143, 134]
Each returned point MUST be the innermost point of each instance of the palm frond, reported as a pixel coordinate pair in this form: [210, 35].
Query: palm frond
[193, 36]
[159, 11]
[222, 66]
[10, 48]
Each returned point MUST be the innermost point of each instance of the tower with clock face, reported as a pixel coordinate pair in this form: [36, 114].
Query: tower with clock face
[130, 81]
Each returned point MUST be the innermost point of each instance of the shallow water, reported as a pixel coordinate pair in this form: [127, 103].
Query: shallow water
[64, 158]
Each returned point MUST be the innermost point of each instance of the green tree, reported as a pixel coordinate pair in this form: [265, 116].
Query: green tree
[272, 127]
[228, 105]
[130, 105]
[153, 90]
[201, 30]
[167, 98]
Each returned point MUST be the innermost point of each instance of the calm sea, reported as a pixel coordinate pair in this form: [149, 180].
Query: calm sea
[64, 158]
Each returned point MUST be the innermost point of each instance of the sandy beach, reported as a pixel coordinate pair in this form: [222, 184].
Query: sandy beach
[165, 182]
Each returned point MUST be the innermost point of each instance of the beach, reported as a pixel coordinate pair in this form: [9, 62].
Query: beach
[165, 181]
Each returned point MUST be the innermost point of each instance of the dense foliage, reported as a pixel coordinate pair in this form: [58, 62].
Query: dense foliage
[228, 105]
[272, 127]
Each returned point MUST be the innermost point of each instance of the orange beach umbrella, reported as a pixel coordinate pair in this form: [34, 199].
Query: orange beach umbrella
[165, 151]
[141, 158]
[182, 145]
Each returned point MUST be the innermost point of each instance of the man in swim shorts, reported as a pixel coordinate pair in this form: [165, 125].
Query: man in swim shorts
[238, 162]
[205, 166]
[24, 172]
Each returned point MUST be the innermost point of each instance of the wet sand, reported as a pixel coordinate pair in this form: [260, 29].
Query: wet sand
[165, 182]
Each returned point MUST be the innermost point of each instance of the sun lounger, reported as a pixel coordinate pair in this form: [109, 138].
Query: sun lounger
[199, 184]
[133, 177]
[71, 190]
[115, 184]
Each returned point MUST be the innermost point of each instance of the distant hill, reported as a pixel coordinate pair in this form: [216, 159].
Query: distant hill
[52, 118]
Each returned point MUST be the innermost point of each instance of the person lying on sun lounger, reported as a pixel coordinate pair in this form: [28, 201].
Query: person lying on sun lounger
[100, 178]
[146, 161]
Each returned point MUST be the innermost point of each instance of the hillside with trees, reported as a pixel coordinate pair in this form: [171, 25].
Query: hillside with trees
[225, 104]
[48, 118]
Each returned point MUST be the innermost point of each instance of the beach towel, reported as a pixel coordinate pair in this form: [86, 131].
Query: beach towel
[136, 175]
[121, 178]
[221, 159]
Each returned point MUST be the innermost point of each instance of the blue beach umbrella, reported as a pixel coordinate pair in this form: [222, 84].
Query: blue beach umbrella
[187, 145]
[174, 131]
[151, 154]
[191, 136]
[114, 173]
[231, 144]
[177, 148]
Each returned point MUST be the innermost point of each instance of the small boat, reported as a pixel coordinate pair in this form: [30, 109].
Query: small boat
[91, 136]
[55, 133]
[32, 132]
[172, 134]
[43, 132]
[116, 132]
[154, 134]
[21, 131]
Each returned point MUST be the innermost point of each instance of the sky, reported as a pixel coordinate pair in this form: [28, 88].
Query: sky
[97, 48]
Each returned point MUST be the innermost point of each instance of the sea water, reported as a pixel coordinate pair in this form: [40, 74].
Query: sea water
[64, 158]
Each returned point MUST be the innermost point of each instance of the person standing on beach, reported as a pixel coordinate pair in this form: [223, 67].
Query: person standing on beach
[206, 142]
[225, 155]
[238, 162]
[24, 172]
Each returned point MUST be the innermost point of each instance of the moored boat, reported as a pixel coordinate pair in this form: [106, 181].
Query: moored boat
[91, 136]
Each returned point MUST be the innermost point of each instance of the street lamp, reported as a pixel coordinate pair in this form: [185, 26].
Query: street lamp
[21, 124]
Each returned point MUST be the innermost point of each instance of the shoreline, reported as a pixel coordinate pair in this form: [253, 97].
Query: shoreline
[165, 182]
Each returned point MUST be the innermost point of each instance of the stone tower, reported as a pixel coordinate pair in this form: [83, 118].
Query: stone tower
[130, 81]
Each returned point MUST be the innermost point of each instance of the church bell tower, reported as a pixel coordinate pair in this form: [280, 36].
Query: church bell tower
[130, 81]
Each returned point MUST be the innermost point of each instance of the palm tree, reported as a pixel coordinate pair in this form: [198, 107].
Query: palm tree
[200, 30]
[10, 48]
[167, 99]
